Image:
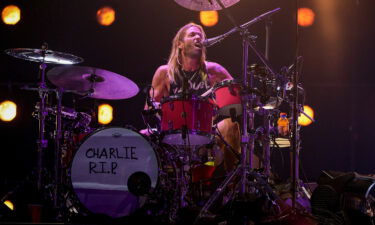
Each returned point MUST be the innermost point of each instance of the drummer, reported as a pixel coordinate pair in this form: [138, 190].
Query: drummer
[187, 70]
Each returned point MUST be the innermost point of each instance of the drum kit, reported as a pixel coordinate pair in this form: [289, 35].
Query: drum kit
[119, 172]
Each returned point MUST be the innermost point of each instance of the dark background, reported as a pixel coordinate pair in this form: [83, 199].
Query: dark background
[337, 73]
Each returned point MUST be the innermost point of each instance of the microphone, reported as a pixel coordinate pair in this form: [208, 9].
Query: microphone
[211, 41]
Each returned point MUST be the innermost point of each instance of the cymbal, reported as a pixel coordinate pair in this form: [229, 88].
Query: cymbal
[93, 82]
[46, 56]
[205, 5]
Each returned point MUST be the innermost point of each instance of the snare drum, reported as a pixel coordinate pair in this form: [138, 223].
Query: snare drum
[227, 96]
[186, 121]
[114, 169]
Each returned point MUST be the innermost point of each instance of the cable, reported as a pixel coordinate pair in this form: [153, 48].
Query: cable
[304, 174]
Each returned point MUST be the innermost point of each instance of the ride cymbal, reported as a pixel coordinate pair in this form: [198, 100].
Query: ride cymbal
[93, 82]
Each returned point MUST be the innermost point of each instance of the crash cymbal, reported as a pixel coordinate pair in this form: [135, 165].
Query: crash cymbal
[205, 5]
[93, 82]
[46, 56]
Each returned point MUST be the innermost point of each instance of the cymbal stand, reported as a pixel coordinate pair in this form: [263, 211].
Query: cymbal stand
[266, 132]
[248, 98]
[42, 142]
[57, 152]
[248, 108]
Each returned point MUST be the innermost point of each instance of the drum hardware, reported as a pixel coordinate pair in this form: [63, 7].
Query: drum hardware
[151, 115]
[45, 56]
[83, 119]
[296, 101]
[247, 101]
[266, 142]
[227, 144]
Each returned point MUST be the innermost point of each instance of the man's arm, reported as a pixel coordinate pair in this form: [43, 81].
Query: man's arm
[218, 73]
[159, 84]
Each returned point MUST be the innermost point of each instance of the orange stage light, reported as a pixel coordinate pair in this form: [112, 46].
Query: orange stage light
[209, 18]
[11, 15]
[106, 16]
[8, 111]
[105, 113]
[304, 120]
[9, 204]
[306, 17]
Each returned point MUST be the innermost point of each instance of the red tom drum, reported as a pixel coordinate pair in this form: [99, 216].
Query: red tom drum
[187, 120]
[227, 95]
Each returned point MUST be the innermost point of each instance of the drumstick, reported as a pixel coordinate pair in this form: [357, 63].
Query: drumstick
[209, 91]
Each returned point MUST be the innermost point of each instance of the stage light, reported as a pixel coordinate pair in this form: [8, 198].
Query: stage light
[306, 17]
[11, 14]
[105, 114]
[9, 204]
[209, 18]
[7, 211]
[8, 111]
[304, 120]
[106, 16]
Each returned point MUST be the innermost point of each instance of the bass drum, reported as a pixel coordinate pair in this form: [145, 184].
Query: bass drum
[114, 169]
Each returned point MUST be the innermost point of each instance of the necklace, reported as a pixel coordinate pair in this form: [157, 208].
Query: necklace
[192, 76]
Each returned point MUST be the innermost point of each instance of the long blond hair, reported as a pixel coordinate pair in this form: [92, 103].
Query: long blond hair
[174, 60]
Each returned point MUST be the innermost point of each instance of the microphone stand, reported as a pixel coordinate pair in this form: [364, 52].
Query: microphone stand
[295, 112]
[210, 42]
[268, 33]
[248, 99]
[247, 139]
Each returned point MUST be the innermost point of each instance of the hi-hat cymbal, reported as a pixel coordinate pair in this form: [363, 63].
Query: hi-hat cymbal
[205, 5]
[93, 82]
[46, 56]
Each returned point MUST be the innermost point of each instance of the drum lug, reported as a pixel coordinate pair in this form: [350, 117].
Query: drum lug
[116, 135]
[231, 90]
[170, 124]
[183, 114]
[171, 106]
[198, 124]
[215, 110]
